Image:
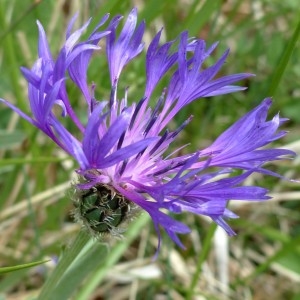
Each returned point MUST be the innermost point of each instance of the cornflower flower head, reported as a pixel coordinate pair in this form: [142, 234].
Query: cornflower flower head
[123, 150]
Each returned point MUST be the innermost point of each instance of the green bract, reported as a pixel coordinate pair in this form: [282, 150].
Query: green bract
[102, 209]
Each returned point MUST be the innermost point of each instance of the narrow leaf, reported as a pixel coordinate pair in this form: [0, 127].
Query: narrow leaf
[23, 266]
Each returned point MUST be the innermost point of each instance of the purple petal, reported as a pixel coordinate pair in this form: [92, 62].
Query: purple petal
[124, 153]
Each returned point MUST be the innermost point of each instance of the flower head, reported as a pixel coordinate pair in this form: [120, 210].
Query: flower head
[123, 158]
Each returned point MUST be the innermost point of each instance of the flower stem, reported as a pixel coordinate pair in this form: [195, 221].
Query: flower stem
[66, 260]
[203, 255]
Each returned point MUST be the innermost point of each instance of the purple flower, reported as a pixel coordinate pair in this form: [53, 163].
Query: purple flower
[123, 156]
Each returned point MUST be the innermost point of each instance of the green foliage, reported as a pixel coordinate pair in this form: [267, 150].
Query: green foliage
[35, 176]
[20, 267]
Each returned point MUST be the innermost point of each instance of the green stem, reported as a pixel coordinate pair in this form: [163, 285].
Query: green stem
[202, 257]
[66, 260]
[283, 61]
[116, 252]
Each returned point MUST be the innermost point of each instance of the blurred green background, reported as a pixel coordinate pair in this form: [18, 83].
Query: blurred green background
[261, 262]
